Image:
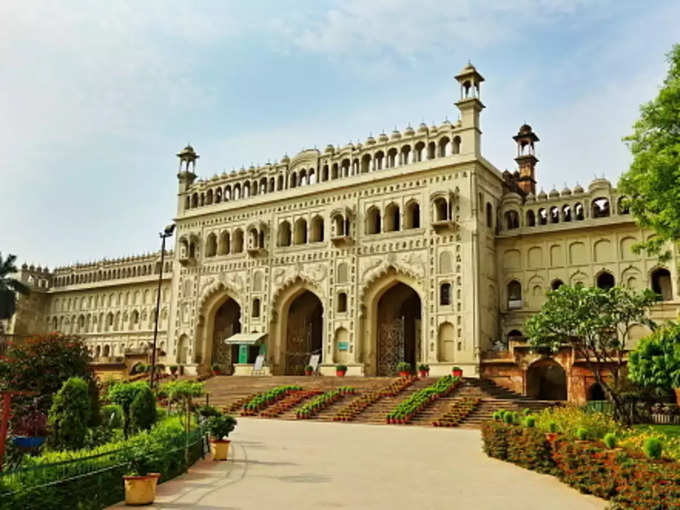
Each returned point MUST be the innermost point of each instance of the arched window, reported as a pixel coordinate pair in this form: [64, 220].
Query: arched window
[445, 294]
[418, 152]
[324, 173]
[316, 233]
[412, 217]
[223, 246]
[542, 217]
[605, 280]
[392, 218]
[531, 218]
[441, 209]
[556, 284]
[237, 241]
[211, 245]
[661, 284]
[515, 336]
[600, 208]
[554, 214]
[284, 234]
[292, 180]
[578, 211]
[301, 231]
[511, 220]
[279, 183]
[566, 213]
[303, 178]
[489, 215]
[623, 207]
[514, 289]
[455, 149]
[342, 302]
[373, 221]
[431, 150]
[443, 145]
[256, 308]
[338, 226]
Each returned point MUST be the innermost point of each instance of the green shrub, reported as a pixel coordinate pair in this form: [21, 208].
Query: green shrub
[581, 434]
[206, 411]
[112, 416]
[530, 421]
[653, 447]
[69, 415]
[570, 418]
[221, 426]
[508, 417]
[552, 427]
[526, 411]
[610, 440]
[497, 416]
[123, 394]
[143, 409]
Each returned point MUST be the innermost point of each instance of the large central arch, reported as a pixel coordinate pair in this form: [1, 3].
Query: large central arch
[393, 325]
[226, 322]
[298, 323]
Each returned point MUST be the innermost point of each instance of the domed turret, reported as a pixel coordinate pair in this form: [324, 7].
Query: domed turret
[554, 193]
[383, 137]
[329, 149]
[542, 195]
[422, 128]
[396, 135]
[565, 191]
[370, 140]
[285, 159]
[409, 131]
[578, 188]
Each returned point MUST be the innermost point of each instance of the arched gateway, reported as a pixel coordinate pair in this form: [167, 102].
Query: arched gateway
[392, 326]
[546, 380]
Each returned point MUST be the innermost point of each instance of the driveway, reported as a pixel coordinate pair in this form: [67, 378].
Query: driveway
[276, 464]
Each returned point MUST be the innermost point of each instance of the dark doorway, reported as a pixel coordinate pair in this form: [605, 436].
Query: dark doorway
[399, 327]
[546, 380]
[303, 332]
[227, 323]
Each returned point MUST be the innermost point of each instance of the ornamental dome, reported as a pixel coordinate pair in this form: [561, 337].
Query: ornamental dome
[409, 131]
[396, 135]
[565, 192]
[422, 128]
[542, 195]
[382, 137]
[578, 189]
[554, 193]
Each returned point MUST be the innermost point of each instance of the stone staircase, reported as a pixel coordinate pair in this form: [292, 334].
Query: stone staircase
[224, 391]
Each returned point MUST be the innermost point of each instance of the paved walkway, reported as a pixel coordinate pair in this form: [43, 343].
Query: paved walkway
[310, 465]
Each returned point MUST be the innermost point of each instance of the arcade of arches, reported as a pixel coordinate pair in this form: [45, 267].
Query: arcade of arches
[399, 328]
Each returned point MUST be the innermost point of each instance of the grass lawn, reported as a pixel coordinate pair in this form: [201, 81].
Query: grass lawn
[668, 430]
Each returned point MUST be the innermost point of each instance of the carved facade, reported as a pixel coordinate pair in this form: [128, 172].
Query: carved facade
[410, 246]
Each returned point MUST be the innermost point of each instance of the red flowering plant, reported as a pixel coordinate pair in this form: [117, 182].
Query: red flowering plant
[40, 365]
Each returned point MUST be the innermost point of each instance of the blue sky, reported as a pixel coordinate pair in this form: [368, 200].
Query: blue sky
[97, 97]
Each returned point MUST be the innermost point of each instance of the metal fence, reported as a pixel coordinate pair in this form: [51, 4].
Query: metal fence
[88, 483]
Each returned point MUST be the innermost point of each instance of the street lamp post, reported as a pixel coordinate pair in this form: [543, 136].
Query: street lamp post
[163, 235]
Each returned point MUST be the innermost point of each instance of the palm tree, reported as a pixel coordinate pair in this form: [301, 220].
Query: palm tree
[9, 287]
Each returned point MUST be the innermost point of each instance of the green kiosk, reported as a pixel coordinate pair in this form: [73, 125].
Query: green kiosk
[252, 350]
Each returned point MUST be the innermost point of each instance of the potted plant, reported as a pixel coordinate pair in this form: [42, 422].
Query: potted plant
[30, 430]
[309, 370]
[423, 370]
[216, 370]
[404, 369]
[340, 370]
[219, 428]
[457, 372]
[140, 482]
[173, 370]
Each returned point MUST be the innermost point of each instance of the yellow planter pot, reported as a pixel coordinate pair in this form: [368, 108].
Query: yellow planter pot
[677, 395]
[219, 448]
[141, 490]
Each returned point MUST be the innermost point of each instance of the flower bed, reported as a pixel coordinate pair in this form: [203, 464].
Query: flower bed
[350, 412]
[628, 478]
[263, 400]
[311, 409]
[238, 404]
[405, 410]
[291, 400]
[458, 411]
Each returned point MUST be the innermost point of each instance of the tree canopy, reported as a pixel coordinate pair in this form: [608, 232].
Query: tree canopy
[655, 362]
[652, 184]
[596, 323]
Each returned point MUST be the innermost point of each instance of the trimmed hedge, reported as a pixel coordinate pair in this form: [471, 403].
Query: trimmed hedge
[92, 479]
[630, 480]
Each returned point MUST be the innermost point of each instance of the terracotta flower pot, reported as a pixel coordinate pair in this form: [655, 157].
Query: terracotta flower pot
[403, 374]
[457, 373]
[551, 436]
[141, 490]
[340, 373]
[423, 374]
[219, 448]
[308, 372]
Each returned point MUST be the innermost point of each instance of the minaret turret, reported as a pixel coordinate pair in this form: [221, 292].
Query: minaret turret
[186, 176]
[470, 106]
[526, 158]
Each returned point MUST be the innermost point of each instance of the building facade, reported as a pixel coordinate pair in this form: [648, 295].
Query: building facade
[407, 247]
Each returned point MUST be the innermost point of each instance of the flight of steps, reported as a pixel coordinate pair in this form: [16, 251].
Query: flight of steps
[495, 398]
[223, 391]
[377, 413]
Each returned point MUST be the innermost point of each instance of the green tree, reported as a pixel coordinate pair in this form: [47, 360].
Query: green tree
[69, 415]
[9, 287]
[124, 394]
[143, 409]
[42, 364]
[655, 362]
[596, 324]
[652, 183]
